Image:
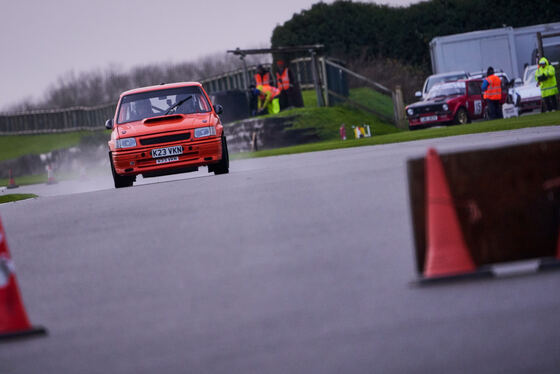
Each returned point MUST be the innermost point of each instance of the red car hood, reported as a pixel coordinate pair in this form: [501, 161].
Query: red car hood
[170, 123]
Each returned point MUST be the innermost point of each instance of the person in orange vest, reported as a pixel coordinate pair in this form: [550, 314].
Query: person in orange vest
[262, 77]
[283, 83]
[492, 88]
[267, 99]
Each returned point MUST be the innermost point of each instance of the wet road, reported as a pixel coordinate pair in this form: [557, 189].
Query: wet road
[291, 264]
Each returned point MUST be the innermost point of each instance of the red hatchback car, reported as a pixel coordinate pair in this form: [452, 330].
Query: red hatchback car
[166, 129]
[452, 102]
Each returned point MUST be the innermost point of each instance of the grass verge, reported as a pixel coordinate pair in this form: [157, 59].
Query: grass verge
[14, 146]
[379, 102]
[25, 180]
[326, 121]
[309, 98]
[39, 178]
[545, 119]
[15, 197]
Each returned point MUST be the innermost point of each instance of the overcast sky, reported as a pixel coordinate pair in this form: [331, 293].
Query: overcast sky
[41, 40]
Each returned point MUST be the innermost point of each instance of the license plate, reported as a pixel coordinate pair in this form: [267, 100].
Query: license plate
[428, 118]
[168, 151]
[166, 159]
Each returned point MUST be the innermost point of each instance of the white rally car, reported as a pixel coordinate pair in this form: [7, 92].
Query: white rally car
[525, 95]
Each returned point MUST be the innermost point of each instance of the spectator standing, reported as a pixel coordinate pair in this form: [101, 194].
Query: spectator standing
[283, 83]
[546, 79]
[262, 77]
[492, 88]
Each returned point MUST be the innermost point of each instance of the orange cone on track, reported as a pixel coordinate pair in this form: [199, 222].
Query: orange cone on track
[12, 182]
[13, 319]
[446, 251]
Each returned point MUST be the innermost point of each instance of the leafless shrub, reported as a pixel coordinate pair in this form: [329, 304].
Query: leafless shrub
[390, 73]
[102, 86]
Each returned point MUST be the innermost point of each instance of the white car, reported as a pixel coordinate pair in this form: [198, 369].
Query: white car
[501, 74]
[436, 79]
[525, 95]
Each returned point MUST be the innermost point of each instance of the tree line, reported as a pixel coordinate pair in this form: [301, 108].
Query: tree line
[387, 44]
[356, 30]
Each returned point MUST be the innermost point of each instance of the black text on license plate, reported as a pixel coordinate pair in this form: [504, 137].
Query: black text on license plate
[168, 151]
[166, 159]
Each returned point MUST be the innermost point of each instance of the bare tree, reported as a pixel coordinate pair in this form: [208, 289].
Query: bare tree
[97, 87]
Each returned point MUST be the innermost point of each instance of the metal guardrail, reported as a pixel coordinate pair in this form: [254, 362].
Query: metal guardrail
[319, 73]
[301, 69]
[61, 120]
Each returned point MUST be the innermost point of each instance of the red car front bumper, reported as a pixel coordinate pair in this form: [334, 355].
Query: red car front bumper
[430, 119]
[139, 160]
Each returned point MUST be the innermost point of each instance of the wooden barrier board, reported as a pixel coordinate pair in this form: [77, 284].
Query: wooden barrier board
[507, 200]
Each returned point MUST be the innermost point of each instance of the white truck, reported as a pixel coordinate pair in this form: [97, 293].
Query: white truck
[506, 49]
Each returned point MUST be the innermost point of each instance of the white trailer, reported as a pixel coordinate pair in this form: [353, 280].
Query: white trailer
[507, 49]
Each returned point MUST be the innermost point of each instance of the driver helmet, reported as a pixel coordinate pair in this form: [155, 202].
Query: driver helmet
[144, 108]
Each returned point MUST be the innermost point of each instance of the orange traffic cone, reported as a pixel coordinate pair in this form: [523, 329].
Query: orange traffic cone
[13, 319]
[50, 175]
[12, 182]
[446, 251]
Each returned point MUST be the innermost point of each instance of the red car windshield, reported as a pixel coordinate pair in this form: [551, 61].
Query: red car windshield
[447, 89]
[137, 107]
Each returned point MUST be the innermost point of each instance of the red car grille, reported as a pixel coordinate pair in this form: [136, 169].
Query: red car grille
[165, 139]
[428, 109]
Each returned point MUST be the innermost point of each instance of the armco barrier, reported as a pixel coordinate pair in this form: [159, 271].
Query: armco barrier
[507, 201]
[48, 121]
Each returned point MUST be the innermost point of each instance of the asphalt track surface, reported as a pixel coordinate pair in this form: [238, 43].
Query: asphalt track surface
[291, 264]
